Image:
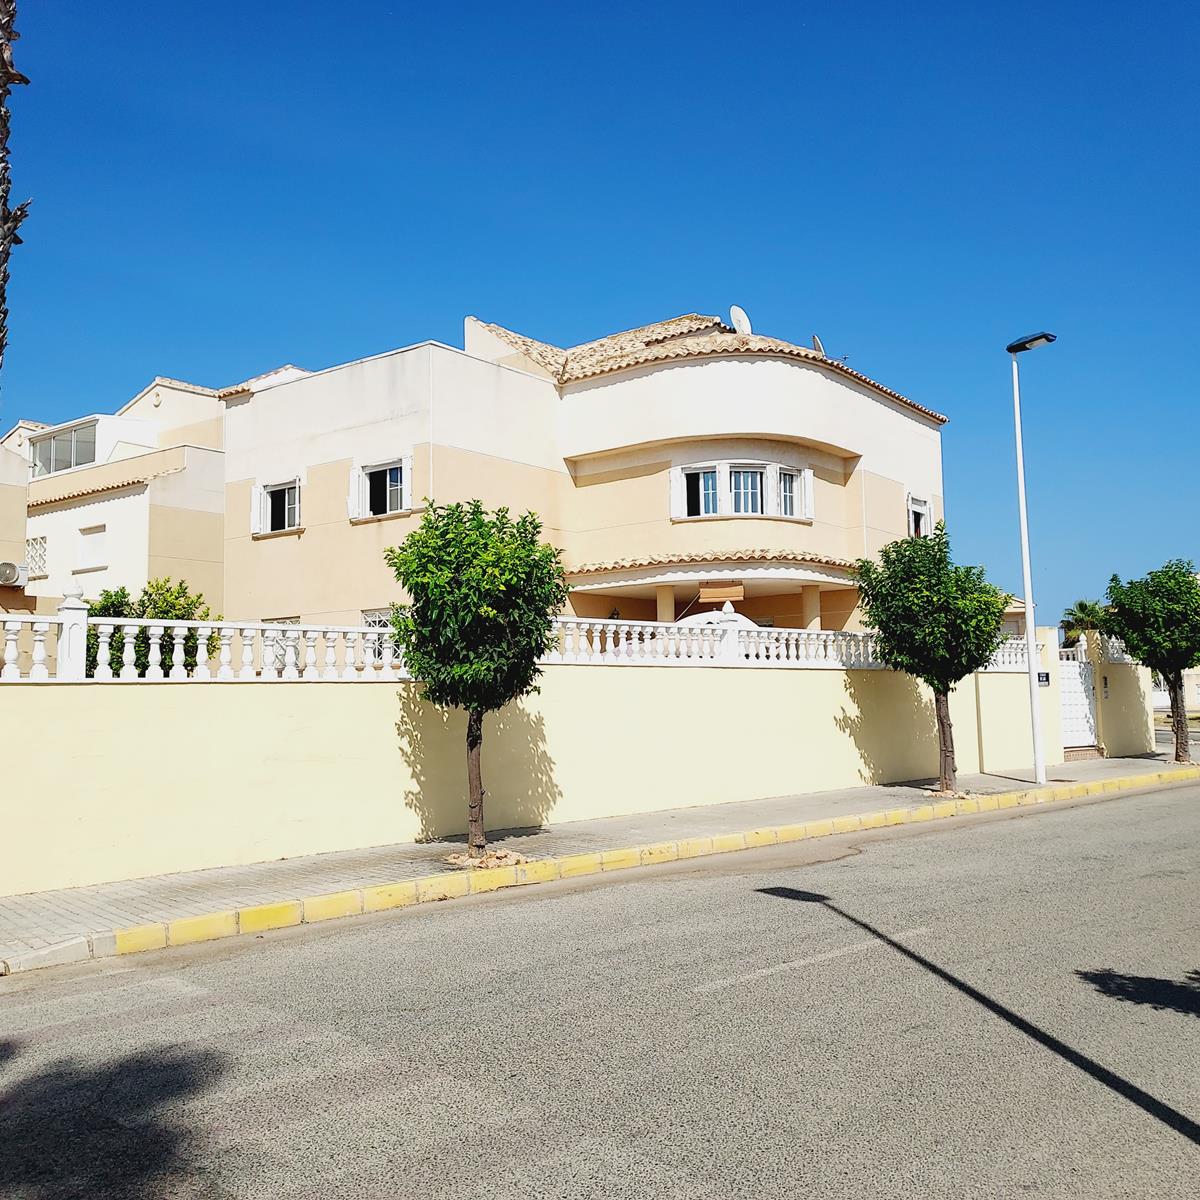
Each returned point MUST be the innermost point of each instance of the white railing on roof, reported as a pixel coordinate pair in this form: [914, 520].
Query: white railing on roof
[48, 648]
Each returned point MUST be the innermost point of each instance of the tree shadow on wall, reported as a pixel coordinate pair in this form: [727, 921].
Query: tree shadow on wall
[1164, 995]
[521, 790]
[107, 1130]
[892, 723]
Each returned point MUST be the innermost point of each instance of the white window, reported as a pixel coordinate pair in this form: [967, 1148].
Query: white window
[787, 493]
[61, 451]
[91, 552]
[742, 489]
[35, 557]
[282, 507]
[700, 492]
[746, 489]
[380, 489]
[384, 490]
[918, 517]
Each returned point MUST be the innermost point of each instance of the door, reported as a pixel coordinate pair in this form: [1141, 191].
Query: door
[1078, 698]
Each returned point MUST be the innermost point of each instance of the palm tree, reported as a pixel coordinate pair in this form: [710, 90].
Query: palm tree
[1082, 617]
[10, 218]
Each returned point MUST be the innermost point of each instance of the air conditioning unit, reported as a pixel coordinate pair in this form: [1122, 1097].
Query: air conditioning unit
[13, 574]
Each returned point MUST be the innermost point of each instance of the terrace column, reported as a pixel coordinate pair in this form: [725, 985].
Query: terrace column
[664, 595]
[810, 607]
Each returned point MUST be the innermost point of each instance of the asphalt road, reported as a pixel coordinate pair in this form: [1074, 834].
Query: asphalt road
[997, 1008]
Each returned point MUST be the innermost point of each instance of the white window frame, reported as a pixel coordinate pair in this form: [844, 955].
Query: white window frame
[916, 505]
[262, 507]
[748, 468]
[48, 439]
[358, 497]
[772, 491]
[700, 469]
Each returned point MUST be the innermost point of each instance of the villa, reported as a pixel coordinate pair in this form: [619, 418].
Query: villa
[678, 466]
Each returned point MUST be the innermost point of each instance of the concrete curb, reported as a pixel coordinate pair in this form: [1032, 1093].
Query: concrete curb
[449, 885]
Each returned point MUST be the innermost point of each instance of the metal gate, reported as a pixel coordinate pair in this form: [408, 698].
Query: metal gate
[1078, 697]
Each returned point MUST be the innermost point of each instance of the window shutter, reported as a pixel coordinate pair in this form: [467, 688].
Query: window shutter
[909, 511]
[256, 509]
[806, 493]
[406, 470]
[354, 493]
[299, 514]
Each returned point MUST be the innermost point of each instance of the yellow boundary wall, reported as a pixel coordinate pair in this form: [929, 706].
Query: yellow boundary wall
[146, 779]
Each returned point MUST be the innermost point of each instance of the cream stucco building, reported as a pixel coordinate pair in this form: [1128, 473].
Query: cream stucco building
[677, 465]
[111, 500]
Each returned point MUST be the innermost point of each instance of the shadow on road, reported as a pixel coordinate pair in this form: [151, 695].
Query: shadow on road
[1165, 995]
[1169, 1116]
[110, 1130]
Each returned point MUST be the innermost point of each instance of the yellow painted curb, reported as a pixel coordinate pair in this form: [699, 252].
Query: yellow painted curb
[331, 906]
[540, 870]
[446, 886]
[620, 860]
[489, 879]
[186, 930]
[389, 895]
[262, 917]
[140, 937]
[453, 884]
[579, 864]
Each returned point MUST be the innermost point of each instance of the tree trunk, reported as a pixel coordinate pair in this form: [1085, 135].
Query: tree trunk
[947, 770]
[1179, 721]
[10, 218]
[476, 837]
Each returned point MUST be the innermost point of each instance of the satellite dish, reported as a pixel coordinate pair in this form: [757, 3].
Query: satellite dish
[817, 346]
[739, 320]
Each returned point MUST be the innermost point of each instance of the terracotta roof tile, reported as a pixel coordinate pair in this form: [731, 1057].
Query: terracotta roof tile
[691, 336]
[712, 556]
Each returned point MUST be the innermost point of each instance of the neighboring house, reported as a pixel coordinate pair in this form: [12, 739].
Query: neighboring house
[677, 465]
[14, 475]
[1014, 618]
[117, 500]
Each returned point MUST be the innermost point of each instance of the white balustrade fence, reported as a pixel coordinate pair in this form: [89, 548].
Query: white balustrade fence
[49, 648]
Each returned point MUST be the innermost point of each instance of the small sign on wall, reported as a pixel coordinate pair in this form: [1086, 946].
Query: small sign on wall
[1043, 679]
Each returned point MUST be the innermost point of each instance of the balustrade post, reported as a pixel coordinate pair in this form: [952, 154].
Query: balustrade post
[247, 671]
[71, 652]
[330, 671]
[178, 650]
[129, 653]
[349, 663]
[154, 654]
[225, 637]
[12, 651]
[291, 642]
[203, 670]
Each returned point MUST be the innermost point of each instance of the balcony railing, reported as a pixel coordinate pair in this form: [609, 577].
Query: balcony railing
[55, 648]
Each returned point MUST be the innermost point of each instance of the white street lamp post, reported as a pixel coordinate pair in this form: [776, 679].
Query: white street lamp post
[1039, 756]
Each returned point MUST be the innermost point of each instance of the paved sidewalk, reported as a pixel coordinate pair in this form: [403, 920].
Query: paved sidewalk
[41, 919]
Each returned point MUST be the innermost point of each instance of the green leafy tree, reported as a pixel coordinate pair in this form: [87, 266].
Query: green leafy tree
[160, 599]
[1158, 619]
[937, 621]
[484, 592]
[1084, 616]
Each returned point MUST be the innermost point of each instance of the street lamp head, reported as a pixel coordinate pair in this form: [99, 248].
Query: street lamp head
[1029, 343]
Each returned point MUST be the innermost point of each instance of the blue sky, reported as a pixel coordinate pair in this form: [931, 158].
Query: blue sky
[221, 188]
